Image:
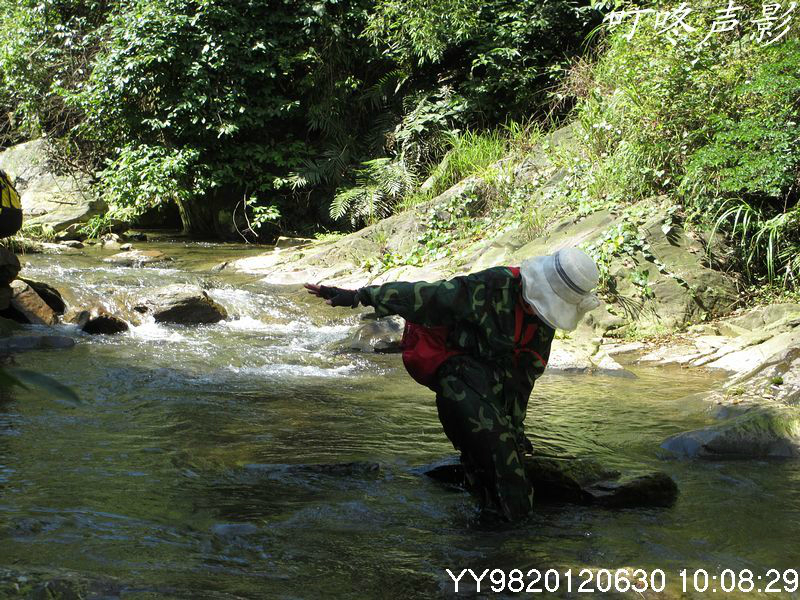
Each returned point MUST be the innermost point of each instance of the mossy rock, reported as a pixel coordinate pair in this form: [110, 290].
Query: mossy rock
[761, 432]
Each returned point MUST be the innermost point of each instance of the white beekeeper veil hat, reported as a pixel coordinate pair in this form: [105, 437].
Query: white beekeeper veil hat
[559, 286]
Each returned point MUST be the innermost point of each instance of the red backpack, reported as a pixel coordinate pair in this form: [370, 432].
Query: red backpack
[425, 348]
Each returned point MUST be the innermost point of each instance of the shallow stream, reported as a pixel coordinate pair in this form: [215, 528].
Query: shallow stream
[174, 478]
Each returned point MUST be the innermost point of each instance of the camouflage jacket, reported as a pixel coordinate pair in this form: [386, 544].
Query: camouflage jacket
[480, 312]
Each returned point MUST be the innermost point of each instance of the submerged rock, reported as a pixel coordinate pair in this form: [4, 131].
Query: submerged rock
[7, 327]
[182, 304]
[137, 258]
[761, 432]
[25, 343]
[653, 489]
[581, 481]
[378, 335]
[347, 469]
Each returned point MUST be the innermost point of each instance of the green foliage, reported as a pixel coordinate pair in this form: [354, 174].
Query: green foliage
[216, 100]
[141, 177]
[385, 183]
[714, 126]
[501, 56]
[379, 185]
[469, 153]
[38, 231]
[46, 47]
[205, 103]
[98, 226]
[443, 226]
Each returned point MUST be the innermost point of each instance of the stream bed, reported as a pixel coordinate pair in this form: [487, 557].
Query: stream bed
[176, 477]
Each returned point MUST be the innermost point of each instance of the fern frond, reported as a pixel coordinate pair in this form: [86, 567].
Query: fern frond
[343, 201]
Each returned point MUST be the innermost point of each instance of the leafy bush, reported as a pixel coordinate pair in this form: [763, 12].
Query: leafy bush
[715, 126]
[46, 49]
[501, 56]
[214, 102]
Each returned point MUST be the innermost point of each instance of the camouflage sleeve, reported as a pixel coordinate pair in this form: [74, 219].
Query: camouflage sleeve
[432, 304]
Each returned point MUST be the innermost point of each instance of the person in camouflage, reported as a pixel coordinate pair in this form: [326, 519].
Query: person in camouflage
[482, 391]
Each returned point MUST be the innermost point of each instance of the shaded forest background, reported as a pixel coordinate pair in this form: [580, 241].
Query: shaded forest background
[269, 116]
[270, 106]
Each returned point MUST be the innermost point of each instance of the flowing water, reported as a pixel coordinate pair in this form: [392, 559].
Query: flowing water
[177, 477]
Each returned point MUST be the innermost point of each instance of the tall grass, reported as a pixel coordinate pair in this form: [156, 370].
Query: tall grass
[469, 153]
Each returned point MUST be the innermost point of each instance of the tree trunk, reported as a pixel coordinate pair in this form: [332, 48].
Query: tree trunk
[198, 218]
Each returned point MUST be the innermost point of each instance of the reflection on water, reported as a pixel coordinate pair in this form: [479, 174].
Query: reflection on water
[178, 477]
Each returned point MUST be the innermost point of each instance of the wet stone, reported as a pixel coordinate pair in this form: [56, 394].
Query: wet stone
[182, 304]
[25, 343]
[28, 307]
[579, 481]
[97, 320]
[49, 294]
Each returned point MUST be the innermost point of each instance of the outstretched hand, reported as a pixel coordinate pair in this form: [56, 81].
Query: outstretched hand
[333, 296]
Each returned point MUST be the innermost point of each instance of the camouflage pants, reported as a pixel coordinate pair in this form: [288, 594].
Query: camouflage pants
[475, 419]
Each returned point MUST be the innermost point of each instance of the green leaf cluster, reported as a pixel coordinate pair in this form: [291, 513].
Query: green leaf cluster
[714, 125]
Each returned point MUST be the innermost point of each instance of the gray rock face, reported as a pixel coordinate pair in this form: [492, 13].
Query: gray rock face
[9, 266]
[29, 307]
[48, 197]
[137, 258]
[182, 304]
[761, 432]
[378, 335]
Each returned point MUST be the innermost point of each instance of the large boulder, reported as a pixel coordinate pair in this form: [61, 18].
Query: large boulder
[760, 432]
[49, 197]
[49, 294]
[28, 307]
[182, 304]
